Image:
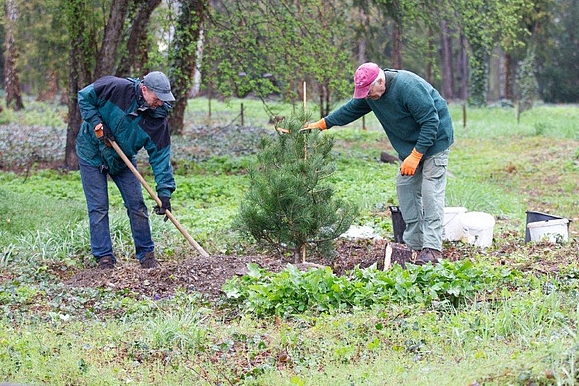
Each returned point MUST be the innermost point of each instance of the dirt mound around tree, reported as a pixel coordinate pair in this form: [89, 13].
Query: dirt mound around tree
[207, 275]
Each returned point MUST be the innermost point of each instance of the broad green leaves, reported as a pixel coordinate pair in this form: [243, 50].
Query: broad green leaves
[293, 291]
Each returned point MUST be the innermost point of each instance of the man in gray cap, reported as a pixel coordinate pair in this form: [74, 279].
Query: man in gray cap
[133, 113]
[158, 82]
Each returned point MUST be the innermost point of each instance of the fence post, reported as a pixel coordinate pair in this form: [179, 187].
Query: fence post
[241, 115]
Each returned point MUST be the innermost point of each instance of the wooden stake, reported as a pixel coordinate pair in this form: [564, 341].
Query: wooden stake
[305, 97]
[398, 253]
[388, 257]
[242, 116]
[306, 137]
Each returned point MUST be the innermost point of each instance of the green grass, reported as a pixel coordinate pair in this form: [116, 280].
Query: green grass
[25, 212]
[525, 338]
[48, 114]
[524, 332]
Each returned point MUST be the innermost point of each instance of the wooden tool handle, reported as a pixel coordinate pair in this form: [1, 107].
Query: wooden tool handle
[157, 200]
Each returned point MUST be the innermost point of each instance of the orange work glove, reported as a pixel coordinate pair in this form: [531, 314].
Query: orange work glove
[104, 134]
[320, 125]
[408, 167]
[98, 131]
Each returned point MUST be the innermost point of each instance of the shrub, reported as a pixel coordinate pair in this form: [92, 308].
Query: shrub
[290, 204]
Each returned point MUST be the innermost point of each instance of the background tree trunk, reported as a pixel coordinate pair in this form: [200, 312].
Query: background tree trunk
[394, 10]
[135, 59]
[509, 84]
[183, 57]
[462, 68]
[362, 39]
[79, 75]
[429, 61]
[11, 81]
[447, 88]
[396, 45]
[51, 90]
[105, 63]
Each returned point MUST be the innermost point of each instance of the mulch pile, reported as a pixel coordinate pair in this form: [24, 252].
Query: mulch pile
[208, 274]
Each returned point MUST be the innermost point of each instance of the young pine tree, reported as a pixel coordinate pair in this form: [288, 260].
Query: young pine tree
[290, 204]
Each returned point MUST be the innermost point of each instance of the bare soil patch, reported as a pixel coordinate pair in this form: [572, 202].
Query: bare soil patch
[207, 275]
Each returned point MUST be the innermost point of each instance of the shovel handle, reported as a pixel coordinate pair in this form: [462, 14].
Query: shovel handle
[157, 200]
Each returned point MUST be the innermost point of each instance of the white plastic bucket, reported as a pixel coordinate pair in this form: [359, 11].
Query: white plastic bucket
[478, 228]
[551, 230]
[452, 230]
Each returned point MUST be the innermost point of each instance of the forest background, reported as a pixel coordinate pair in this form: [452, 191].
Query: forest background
[477, 52]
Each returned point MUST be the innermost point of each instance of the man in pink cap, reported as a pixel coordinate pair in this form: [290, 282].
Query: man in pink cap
[419, 126]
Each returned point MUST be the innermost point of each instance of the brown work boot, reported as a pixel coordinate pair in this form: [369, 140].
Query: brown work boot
[149, 261]
[428, 255]
[106, 262]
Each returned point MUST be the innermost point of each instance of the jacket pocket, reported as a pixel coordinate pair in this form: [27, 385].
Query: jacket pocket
[111, 159]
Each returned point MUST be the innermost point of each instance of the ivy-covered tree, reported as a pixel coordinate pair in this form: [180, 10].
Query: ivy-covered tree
[527, 82]
[11, 53]
[82, 37]
[183, 57]
[290, 205]
[486, 23]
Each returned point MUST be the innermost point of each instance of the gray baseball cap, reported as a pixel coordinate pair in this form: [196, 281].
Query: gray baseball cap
[158, 82]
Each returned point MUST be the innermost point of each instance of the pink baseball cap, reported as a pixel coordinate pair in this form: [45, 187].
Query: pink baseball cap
[365, 75]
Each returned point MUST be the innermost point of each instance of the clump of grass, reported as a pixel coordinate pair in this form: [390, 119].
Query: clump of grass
[482, 197]
[36, 114]
[22, 213]
[540, 128]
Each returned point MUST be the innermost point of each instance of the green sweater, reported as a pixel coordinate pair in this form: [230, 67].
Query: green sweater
[411, 111]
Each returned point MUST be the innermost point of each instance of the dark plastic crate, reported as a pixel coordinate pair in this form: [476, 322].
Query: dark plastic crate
[534, 217]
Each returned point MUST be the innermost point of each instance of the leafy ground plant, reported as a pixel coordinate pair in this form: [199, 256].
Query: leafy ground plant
[293, 291]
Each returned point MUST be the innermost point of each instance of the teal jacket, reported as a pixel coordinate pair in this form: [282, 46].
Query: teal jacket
[411, 111]
[119, 104]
